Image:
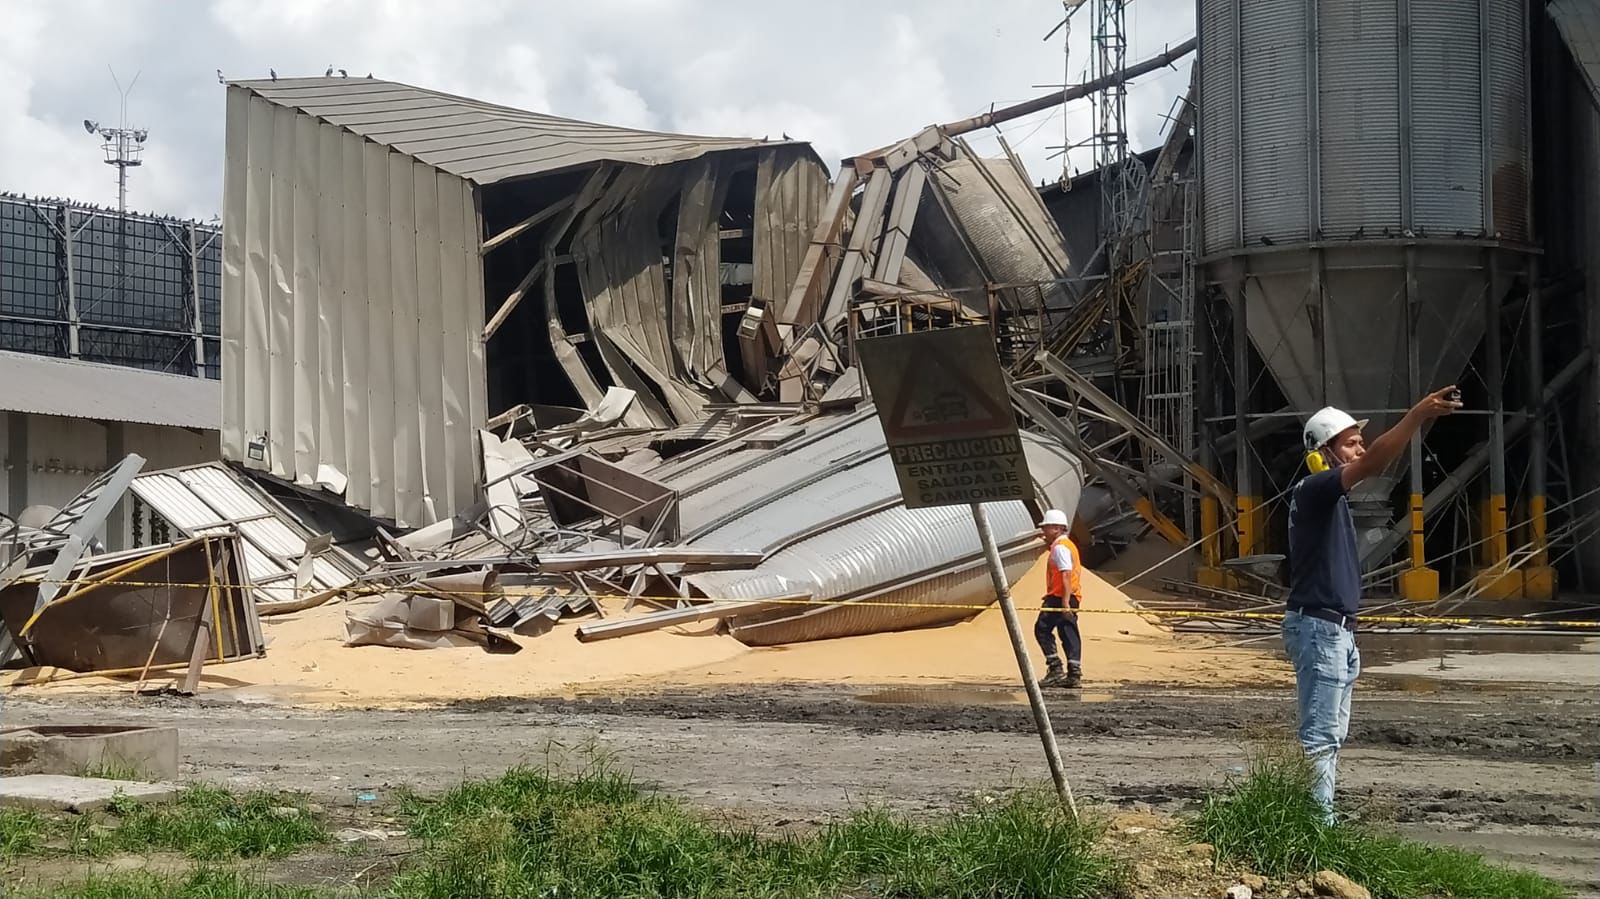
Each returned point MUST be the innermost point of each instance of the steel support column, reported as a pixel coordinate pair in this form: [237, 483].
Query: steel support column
[117, 518]
[1210, 572]
[1418, 582]
[1495, 580]
[1538, 577]
[1246, 497]
[17, 461]
[194, 304]
[68, 233]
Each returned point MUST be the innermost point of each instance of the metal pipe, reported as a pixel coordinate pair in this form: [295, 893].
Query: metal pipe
[606, 630]
[1048, 101]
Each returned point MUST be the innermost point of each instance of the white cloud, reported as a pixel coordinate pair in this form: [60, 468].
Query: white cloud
[612, 102]
[847, 76]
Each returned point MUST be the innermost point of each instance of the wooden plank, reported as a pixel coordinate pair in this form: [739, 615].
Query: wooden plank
[510, 304]
[532, 221]
[197, 655]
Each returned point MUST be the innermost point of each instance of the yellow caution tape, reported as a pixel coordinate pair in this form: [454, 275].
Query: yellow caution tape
[378, 589]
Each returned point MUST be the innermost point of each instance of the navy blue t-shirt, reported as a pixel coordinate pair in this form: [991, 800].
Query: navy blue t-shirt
[1324, 569]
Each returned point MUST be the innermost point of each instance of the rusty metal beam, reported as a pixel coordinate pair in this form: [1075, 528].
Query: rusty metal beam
[1038, 104]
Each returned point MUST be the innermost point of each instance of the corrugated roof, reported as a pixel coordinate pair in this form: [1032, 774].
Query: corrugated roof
[478, 141]
[1579, 24]
[212, 498]
[48, 386]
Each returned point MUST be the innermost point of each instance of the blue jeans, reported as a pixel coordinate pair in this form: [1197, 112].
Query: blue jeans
[1326, 663]
[1065, 622]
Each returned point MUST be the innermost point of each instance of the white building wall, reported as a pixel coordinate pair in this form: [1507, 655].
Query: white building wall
[352, 316]
[61, 456]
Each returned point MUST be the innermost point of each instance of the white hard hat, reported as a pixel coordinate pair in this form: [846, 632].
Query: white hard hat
[1327, 424]
[1055, 517]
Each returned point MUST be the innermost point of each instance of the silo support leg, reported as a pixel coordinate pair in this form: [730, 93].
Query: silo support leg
[1419, 583]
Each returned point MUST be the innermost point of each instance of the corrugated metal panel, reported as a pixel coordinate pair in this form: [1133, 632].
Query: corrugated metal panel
[791, 186]
[617, 250]
[352, 305]
[1447, 121]
[1358, 102]
[1273, 57]
[1579, 24]
[1508, 117]
[830, 536]
[696, 311]
[477, 141]
[47, 386]
[712, 492]
[206, 499]
[1218, 123]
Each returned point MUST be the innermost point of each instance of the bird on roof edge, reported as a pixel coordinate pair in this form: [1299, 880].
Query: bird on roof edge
[343, 74]
[273, 73]
[329, 73]
[220, 79]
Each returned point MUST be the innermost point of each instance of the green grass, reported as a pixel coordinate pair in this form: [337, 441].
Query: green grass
[201, 883]
[114, 769]
[532, 832]
[203, 822]
[1269, 821]
[21, 832]
[210, 823]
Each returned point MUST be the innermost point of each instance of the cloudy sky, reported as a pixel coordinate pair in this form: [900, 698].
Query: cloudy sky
[847, 75]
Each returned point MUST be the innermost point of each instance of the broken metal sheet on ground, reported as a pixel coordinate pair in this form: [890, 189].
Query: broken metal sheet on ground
[389, 622]
[123, 611]
[211, 499]
[584, 561]
[825, 509]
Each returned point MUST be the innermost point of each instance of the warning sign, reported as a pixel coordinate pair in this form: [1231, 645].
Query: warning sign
[942, 400]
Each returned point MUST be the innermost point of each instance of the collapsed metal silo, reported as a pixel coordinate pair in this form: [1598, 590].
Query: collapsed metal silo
[1359, 158]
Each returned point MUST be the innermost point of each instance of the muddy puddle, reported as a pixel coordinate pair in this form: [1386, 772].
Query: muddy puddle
[1420, 663]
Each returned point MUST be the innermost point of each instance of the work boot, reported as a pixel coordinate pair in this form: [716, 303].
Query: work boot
[1074, 676]
[1053, 676]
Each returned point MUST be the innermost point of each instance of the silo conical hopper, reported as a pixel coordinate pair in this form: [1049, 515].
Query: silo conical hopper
[1345, 147]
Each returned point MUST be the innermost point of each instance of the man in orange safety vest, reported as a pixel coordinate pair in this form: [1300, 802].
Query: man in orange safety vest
[1064, 595]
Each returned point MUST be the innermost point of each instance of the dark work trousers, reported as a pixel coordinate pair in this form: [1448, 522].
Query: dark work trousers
[1057, 618]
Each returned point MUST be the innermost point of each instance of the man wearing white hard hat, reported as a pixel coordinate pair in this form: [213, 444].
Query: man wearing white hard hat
[1325, 571]
[1064, 593]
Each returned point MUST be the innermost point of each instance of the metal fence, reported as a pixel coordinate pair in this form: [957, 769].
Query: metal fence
[81, 282]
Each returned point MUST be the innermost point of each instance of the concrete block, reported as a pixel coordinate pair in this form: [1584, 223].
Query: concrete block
[428, 613]
[1498, 583]
[1539, 582]
[59, 792]
[150, 753]
[1419, 584]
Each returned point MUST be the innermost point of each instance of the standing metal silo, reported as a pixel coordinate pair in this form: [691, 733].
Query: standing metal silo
[1359, 159]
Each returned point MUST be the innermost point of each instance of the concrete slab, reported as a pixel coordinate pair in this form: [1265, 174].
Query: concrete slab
[60, 792]
[147, 753]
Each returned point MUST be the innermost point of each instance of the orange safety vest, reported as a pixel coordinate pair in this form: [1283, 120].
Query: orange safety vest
[1064, 583]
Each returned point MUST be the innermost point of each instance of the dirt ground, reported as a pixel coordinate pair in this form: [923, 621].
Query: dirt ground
[1508, 772]
[1501, 758]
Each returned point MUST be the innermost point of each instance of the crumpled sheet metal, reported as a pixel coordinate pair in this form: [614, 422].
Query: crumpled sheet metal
[828, 514]
[114, 626]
